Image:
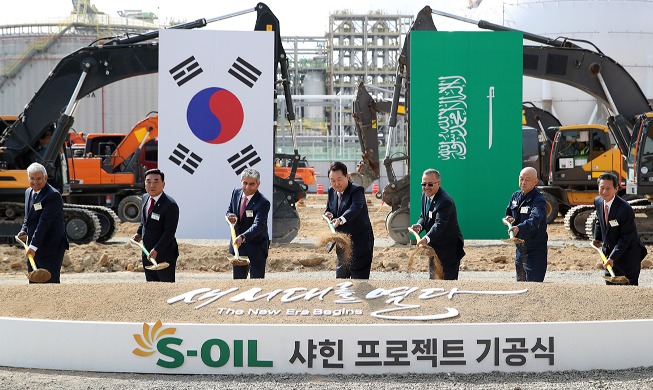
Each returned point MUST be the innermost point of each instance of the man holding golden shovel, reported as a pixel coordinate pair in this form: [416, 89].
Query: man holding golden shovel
[526, 220]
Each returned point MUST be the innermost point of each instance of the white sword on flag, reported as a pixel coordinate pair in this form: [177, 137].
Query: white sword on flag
[490, 97]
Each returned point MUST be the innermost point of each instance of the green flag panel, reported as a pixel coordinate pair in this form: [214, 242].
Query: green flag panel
[465, 121]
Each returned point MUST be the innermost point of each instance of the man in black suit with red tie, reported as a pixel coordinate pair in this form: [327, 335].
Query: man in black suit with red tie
[349, 215]
[248, 210]
[440, 221]
[158, 228]
[615, 232]
[43, 226]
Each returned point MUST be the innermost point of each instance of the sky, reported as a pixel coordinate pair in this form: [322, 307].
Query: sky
[305, 17]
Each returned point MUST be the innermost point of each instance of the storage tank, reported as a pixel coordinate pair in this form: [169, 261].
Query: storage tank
[314, 85]
[621, 29]
[29, 52]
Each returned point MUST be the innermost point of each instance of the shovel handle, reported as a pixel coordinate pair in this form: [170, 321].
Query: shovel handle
[328, 221]
[145, 251]
[415, 234]
[505, 222]
[605, 261]
[29, 255]
[233, 235]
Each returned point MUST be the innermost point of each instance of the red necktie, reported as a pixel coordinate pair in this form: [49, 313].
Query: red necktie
[242, 207]
[605, 213]
[149, 209]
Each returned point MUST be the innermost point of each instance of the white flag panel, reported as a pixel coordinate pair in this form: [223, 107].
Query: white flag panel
[216, 92]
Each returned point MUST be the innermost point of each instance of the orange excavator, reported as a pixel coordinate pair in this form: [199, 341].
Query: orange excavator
[107, 169]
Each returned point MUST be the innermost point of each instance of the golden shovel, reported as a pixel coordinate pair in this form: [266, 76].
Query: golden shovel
[333, 231]
[612, 278]
[236, 259]
[155, 266]
[425, 250]
[38, 275]
[512, 239]
[336, 239]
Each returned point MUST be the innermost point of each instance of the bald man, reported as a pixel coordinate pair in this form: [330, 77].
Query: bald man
[527, 214]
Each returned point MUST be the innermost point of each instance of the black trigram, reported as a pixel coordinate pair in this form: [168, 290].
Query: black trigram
[186, 71]
[246, 158]
[187, 160]
[245, 72]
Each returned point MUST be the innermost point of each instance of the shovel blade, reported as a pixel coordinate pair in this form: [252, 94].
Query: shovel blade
[513, 241]
[158, 266]
[617, 279]
[39, 276]
[330, 246]
[238, 260]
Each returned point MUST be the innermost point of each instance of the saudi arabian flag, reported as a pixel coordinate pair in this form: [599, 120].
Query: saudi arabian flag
[465, 121]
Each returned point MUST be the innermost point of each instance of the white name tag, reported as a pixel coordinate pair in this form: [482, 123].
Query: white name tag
[614, 223]
[155, 216]
[38, 206]
[249, 213]
[430, 214]
[524, 210]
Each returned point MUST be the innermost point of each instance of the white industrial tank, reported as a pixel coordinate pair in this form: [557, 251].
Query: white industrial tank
[621, 29]
[314, 85]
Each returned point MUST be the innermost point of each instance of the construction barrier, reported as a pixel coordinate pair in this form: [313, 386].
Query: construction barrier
[320, 188]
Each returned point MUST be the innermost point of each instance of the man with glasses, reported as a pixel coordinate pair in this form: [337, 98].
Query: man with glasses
[527, 214]
[440, 221]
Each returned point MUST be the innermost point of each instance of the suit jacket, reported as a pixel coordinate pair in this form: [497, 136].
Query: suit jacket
[353, 208]
[440, 222]
[529, 212]
[159, 233]
[621, 242]
[254, 227]
[45, 226]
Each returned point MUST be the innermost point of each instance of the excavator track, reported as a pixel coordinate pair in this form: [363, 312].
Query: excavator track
[82, 226]
[576, 219]
[107, 217]
[643, 220]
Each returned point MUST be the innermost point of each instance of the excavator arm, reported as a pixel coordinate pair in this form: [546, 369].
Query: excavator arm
[40, 132]
[559, 60]
[287, 191]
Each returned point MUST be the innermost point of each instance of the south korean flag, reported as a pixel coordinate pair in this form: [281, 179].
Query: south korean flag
[216, 92]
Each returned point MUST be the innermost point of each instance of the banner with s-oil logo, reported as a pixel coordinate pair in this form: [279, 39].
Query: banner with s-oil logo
[465, 121]
[215, 120]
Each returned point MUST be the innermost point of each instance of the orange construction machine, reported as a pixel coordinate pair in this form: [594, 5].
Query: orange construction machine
[107, 169]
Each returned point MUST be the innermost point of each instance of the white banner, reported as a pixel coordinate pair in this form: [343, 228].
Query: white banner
[216, 92]
[323, 349]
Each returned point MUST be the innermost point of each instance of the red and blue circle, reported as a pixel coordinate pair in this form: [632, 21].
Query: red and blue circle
[215, 115]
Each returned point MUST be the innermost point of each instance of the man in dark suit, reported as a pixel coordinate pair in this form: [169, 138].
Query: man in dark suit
[248, 210]
[43, 226]
[347, 209]
[615, 232]
[440, 221]
[526, 212]
[158, 227]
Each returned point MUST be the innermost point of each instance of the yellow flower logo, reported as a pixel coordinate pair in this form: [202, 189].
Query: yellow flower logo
[150, 337]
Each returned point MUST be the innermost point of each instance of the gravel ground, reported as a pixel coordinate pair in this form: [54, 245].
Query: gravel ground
[640, 378]
[575, 277]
